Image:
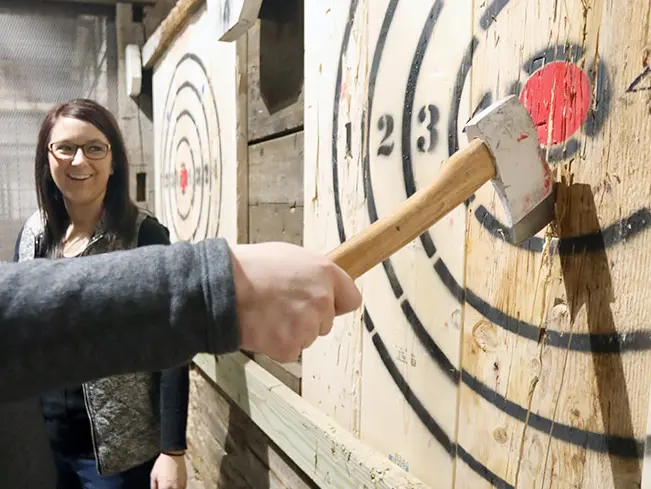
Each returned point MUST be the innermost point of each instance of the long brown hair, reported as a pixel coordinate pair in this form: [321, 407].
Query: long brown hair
[119, 210]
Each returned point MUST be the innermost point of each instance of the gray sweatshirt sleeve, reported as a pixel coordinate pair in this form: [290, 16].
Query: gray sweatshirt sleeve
[64, 322]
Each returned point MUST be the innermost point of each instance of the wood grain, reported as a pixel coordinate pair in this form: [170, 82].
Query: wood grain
[228, 449]
[325, 452]
[276, 222]
[332, 365]
[533, 411]
[276, 171]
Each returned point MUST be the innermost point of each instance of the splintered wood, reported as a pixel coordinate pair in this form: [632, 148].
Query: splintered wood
[476, 363]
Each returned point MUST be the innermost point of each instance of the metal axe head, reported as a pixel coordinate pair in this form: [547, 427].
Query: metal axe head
[522, 179]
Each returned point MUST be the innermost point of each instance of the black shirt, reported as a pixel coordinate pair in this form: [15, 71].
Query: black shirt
[64, 410]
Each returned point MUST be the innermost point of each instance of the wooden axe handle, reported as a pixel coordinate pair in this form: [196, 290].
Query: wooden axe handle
[460, 177]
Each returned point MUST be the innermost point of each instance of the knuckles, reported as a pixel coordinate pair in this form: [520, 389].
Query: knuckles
[322, 301]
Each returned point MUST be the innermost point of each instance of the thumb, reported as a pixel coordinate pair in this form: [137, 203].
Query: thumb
[346, 294]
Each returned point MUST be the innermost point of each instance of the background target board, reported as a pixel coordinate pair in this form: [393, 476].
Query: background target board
[476, 363]
[194, 126]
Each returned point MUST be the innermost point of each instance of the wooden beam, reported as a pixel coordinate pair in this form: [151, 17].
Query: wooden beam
[167, 31]
[330, 455]
[288, 373]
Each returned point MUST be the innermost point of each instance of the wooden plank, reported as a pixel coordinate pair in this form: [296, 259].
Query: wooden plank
[328, 454]
[276, 222]
[154, 14]
[288, 373]
[555, 352]
[165, 34]
[242, 148]
[412, 304]
[276, 171]
[228, 449]
[276, 190]
[370, 67]
[332, 365]
[200, 148]
[276, 71]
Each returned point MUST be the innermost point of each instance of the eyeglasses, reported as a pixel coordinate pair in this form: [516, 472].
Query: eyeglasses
[67, 151]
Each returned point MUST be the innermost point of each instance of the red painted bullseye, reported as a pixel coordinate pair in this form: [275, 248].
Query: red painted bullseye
[557, 94]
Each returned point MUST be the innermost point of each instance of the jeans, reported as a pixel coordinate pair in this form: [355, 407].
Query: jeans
[74, 473]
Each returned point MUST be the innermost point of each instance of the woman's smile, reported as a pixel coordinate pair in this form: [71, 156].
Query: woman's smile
[80, 177]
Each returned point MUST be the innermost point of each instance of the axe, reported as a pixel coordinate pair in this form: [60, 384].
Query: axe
[503, 148]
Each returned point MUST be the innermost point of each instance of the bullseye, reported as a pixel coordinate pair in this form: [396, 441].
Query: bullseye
[558, 98]
[183, 179]
[190, 152]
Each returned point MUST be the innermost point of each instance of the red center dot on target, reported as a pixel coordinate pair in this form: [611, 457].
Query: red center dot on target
[558, 95]
[183, 178]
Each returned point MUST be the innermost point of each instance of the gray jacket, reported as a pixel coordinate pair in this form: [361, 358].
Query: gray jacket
[124, 410]
[185, 299]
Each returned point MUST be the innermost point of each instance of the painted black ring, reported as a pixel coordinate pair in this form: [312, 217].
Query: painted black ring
[186, 141]
[416, 405]
[626, 447]
[191, 57]
[614, 234]
[622, 446]
[595, 118]
[595, 343]
[593, 441]
[169, 142]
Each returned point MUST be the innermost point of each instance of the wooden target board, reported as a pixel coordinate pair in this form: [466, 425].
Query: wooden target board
[475, 363]
[194, 126]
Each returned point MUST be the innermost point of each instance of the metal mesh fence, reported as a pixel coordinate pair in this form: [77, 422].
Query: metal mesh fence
[49, 53]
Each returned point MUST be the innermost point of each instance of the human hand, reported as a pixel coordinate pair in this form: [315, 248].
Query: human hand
[169, 472]
[287, 296]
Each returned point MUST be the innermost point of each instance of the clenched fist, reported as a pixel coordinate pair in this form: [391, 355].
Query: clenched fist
[287, 296]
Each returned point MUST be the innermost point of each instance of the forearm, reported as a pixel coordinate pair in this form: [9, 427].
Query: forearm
[68, 321]
[175, 392]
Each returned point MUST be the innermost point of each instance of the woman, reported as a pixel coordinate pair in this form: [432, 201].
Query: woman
[117, 432]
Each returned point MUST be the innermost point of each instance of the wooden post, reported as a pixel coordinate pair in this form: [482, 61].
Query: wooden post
[134, 113]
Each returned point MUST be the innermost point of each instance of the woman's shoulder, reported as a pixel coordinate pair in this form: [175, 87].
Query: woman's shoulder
[25, 244]
[152, 231]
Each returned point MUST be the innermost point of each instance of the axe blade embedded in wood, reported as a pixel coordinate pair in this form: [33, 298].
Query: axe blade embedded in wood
[503, 148]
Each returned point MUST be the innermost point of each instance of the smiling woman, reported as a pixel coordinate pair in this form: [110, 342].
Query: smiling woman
[81, 177]
[75, 186]
[82, 180]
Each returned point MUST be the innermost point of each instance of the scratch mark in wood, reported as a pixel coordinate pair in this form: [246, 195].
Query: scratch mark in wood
[634, 87]
[532, 388]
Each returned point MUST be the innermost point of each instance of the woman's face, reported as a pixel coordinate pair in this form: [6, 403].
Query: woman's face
[80, 161]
